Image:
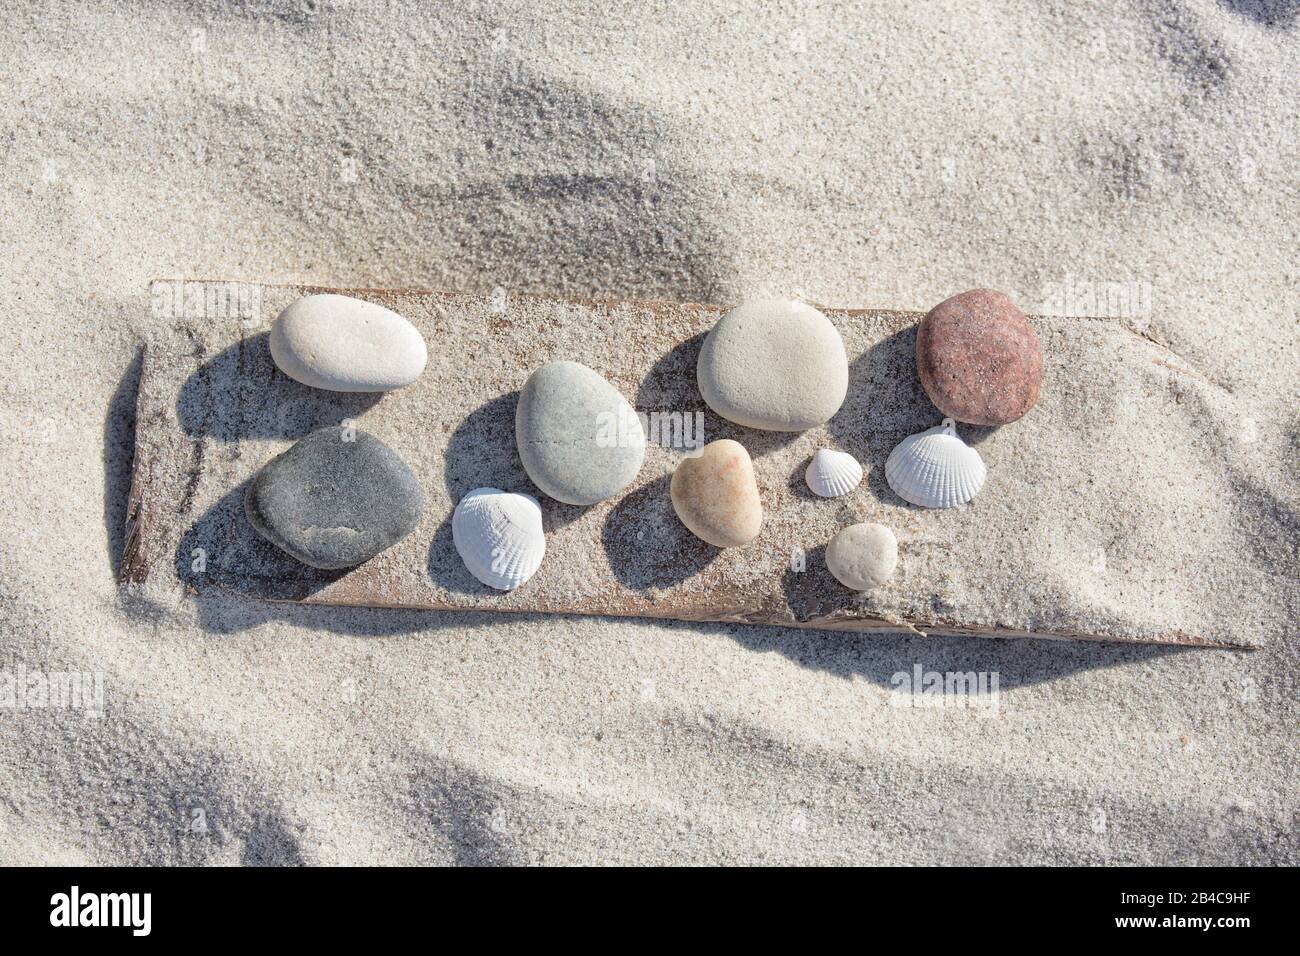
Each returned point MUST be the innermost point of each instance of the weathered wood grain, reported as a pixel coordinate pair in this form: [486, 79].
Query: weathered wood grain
[213, 408]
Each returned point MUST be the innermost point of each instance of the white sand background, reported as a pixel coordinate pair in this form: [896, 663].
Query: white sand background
[880, 155]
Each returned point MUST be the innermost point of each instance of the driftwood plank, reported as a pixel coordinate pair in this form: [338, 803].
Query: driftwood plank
[1033, 555]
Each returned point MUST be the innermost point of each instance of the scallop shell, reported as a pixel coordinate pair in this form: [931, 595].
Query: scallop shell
[499, 536]
[935, 468]
[833, 473]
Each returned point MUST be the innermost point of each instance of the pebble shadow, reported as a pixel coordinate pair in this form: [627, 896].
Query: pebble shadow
[671, 387]
[222, 551]
[448, 570]
[806, 588]
[647, 545]
[670, 383]
[240, 393]
[482, 453]
[797, 481]
[885, 402]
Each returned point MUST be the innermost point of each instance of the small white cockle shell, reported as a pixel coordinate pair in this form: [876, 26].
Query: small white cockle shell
[343, 344]
[833, 473]
[499, 536]
[935, 468]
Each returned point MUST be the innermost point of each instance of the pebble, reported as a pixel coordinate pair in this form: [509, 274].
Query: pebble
[774, 365]
[579, 439]
[979, 359]
[863, 556]
[335, 499]
[346, 345]
[716, 497]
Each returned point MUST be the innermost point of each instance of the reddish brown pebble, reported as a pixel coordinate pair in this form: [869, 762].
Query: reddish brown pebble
[979, 359]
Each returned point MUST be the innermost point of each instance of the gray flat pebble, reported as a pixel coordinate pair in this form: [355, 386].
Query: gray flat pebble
[579, 439]
[335, 499]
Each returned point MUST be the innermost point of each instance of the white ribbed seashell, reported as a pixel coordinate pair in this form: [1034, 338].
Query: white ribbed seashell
[935, 468]
[499, 536]
[833, 473]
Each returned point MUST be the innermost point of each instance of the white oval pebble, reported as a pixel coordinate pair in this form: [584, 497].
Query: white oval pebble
[346, 345]
[775, 365]
[863, 556]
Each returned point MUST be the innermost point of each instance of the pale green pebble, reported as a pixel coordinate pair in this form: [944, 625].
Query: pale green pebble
[579, 439]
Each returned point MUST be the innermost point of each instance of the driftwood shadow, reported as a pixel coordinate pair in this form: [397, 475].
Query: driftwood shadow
[879, 657]
[119, 457]
[234, 613]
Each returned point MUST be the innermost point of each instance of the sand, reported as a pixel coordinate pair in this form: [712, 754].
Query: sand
[1136, 160]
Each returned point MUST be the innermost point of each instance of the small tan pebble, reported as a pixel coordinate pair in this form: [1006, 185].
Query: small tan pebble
[863, 556]
[716, 497]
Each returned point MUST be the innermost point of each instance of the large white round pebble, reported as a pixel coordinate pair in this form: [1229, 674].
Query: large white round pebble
[863, 556]
[346, 345]
[775, 365]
